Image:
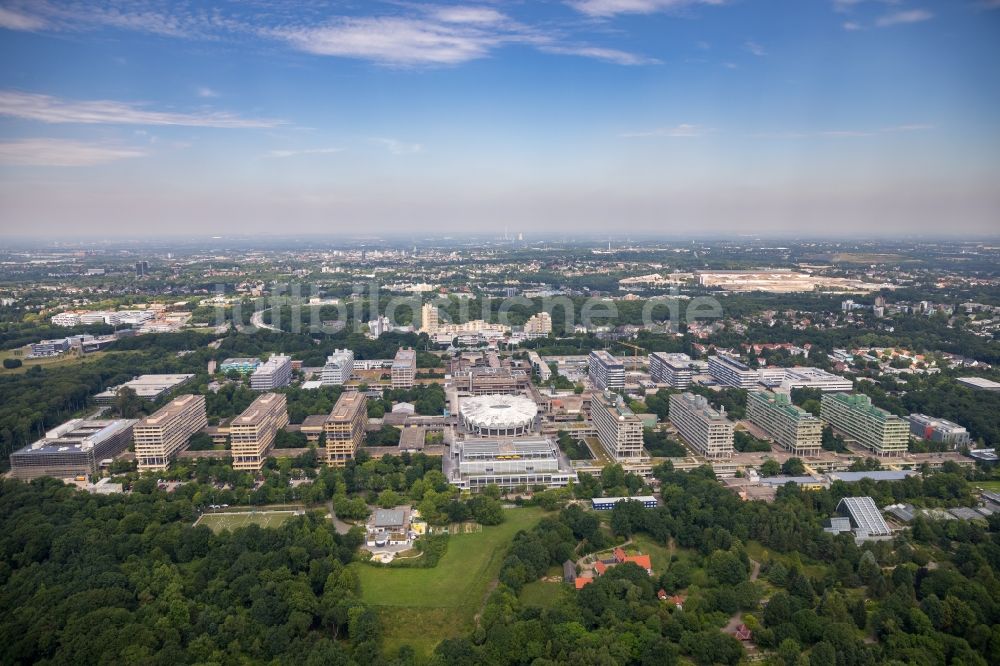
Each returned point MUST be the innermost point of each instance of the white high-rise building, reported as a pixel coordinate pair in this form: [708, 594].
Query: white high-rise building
[378, 326]
[674, 370]
[275, 373]
[606, 371]
[791, 426]
[706, 429]
[160, 436]
[729, 371]
[252, 433]
[338, 368]
[429, 318]
[539, 325]
[618, 429]
[404, 368]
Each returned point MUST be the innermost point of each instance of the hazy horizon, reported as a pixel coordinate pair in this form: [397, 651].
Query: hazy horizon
[683, 118]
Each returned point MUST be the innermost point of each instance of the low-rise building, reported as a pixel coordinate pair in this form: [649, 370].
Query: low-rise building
[76, 448]
[244, 366]
[147, 387]
[608, 503]
[524, 461]
[939, 430]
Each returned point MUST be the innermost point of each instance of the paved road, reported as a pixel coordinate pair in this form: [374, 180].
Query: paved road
[257, 319]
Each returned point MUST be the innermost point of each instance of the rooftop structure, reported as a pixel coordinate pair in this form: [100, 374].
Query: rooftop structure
[606, 371]
[75, 448]
[490, 381]
[158, 438]
[252, 433]
[147, 387]
[674, 370]
[730, 371]
[345, 428]
[979, 383]
[404, 368]
[792, 427]
[704, 428]
[618, 429]
[275, 373]
[243, 365]
[608, 503]
[865, 516]
[498, 415]
[338, 368]
[939, 430]
[876, 429]
[508, 463]
[874, 475]
[805, 377]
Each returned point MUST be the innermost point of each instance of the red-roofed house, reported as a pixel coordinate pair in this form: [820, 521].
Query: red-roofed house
[619, 555]
[643, 561]
[677, 600]
[583, 581]
[661, 595]
[743, 633]
[600, 568]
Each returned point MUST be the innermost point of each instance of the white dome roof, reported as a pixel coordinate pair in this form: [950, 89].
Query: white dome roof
[498, 411]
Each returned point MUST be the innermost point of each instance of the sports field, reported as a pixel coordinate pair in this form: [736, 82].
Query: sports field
[219, 522]
[423, 606]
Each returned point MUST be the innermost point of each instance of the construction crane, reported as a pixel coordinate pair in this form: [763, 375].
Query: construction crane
[636, 364]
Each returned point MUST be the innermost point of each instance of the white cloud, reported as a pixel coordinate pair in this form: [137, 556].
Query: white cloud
[608, 8]
[306, 151]
[598, 53]
[397, 147]
[903, 17]
[61, 153]
[754, 48]
[458, 14]
[205, 91]
[851, 26]
[49, 109]
[684, 130]
[13, 20]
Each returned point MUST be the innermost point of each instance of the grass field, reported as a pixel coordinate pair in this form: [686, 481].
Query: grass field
[220, 522]
[543, 594]
[423, 606]
[988, 485]
[48, 361]
[658, 553]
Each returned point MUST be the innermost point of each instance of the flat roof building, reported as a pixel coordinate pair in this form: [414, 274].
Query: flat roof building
[805, 377]
[275, 373]
[345, 428]
[75, 448]
[243, 365]
[605, 371]
[876, 429]
[865, 517]
[524, 461]
[491, 381]
[338, 368]
[729, 371]
[498, 415]
[674, 370]
[979, 383]
[704, 428]
[539, 366]
[158, 438]
[608, 503]
[404, 368]
[792, 427]
[939, 430]
[147, 387]
[252, 433]
[618, 429]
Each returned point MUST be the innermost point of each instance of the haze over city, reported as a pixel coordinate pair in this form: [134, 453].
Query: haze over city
[641, 116]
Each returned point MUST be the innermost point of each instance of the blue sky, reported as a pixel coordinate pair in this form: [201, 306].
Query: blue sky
[672, 116]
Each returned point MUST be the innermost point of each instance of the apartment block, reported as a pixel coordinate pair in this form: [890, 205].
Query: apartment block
[857, 418]
[275, 373]
[159, 437]
[345, 428]
[704, 428]
[252, 433]
[606, 371]
[538, 326]
[790, 426]
[618, 429]
[674, 370]
[404, 368]
[338, 368]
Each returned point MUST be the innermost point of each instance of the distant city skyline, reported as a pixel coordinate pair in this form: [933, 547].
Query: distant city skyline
[650, 117]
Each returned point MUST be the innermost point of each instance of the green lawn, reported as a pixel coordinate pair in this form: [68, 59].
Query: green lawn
[47, 361]
[423, 606]
[543, 594]
[219, 522]
[988, 485]
[758, 552]
[658, 553]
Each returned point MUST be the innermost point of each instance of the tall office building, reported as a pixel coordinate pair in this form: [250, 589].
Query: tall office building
[404, 368]
[729, 371]
[252, 433]
[791, 426]
[429, 318]
[606, 371]
[141, 268]
[618, 429]
[345, 428]
[275, 373]
[159, 437]
[674, 370]
[857, 418]
[338, 368]
[939, 430]
[707, 430]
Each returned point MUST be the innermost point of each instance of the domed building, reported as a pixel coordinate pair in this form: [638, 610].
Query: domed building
[498, 415]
